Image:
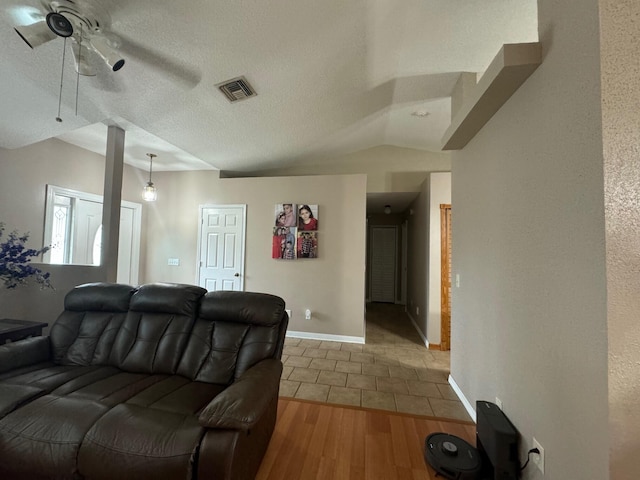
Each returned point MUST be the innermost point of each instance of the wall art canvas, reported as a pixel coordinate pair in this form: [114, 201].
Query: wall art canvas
[307, 217]
[286, 215]
[307, 244]
[283, 244]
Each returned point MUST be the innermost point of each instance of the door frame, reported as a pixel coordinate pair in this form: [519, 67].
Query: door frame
[445, 276]
[243, 239]
[52, 190]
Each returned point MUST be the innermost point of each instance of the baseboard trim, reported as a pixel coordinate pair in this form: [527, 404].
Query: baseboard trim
[325, 336]
[415, 325]
[467, 404]
[435, 346]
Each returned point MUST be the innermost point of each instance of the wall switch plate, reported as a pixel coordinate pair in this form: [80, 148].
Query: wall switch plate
[538, 459]
[417, 310]
[174, 262]
[457, 280]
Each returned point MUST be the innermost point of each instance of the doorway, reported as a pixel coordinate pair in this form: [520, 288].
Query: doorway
[383, 245]
[73, 229]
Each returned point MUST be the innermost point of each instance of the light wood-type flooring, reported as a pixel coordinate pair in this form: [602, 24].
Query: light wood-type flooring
[320, 441]
[392, 371]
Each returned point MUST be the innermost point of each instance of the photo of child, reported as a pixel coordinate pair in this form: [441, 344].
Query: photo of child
[307, 245]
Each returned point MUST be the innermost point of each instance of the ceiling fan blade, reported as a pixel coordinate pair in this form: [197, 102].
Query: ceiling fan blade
[25, 15]
[178, 72]
[35, 34]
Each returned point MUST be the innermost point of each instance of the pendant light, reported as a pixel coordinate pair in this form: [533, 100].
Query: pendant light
[149, 192]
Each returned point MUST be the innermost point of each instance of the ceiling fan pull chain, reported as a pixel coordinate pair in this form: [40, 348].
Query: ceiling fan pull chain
[78, 68]
[64, 51]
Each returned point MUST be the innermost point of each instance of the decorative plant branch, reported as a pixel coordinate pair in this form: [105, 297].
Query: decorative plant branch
[15, 258]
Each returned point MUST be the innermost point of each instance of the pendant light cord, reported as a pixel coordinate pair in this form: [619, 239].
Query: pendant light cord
[64, 51]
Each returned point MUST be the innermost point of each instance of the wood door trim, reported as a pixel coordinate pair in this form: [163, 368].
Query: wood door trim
[445, 276]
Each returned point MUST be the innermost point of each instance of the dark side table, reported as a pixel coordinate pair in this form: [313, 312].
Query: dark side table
[15, 330]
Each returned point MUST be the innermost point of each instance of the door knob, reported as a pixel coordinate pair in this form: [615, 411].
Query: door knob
[237, 275]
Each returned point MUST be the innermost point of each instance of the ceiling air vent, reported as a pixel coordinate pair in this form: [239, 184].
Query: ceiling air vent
[237, 89]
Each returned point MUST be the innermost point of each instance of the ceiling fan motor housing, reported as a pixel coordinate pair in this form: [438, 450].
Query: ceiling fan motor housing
[59, 24]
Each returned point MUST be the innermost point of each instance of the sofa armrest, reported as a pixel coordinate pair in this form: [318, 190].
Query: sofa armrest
[242, 404]
[24, 352]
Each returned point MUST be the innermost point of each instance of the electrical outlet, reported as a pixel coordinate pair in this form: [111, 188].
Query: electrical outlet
[288, 313]
[499, 403]
[307, 314]
[538, 459]
[174, 262]
[417, 310]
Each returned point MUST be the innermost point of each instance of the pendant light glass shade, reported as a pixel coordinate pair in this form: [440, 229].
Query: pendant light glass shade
[149, 192]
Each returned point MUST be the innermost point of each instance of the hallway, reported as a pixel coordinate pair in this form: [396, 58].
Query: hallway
[392, 371]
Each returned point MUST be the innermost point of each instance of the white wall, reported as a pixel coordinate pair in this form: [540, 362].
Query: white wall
[620, 54]
[529, 319]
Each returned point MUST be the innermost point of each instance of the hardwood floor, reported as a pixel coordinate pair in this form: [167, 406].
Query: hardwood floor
[314, 440]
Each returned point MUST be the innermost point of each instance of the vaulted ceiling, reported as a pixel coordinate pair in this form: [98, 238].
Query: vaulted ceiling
[331, 76]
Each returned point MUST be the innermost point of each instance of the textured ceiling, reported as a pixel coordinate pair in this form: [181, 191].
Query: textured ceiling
[332, 77]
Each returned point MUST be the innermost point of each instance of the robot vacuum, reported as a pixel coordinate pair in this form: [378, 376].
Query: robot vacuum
[452, 457]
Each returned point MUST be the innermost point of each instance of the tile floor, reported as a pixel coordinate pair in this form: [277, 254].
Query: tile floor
[393, 370]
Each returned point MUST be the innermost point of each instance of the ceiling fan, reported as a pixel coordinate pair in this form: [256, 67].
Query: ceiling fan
[84, 22]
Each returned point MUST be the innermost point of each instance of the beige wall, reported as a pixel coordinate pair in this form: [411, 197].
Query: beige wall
[620, 53]
[418, 265]
[24, 174]
[332, 286]
[388, 168]
[423, 296]
[530, 316]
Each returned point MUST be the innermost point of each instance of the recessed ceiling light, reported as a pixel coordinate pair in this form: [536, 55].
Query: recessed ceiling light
[420, 113]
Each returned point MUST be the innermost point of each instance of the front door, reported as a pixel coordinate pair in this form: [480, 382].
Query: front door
[221, 247]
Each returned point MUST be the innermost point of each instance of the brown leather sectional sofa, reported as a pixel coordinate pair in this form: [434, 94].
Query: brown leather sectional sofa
[163, 381]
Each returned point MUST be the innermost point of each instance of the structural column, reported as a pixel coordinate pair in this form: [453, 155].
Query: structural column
[113, 171]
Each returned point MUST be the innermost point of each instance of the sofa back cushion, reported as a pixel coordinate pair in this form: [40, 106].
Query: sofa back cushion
[234, 331]
[85, 331]
[154, 333]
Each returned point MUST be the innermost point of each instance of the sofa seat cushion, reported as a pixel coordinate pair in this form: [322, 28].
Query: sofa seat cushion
[135, 442]
[50, 377]
[178, 395]
[42, 438]
[12, 396]
[116, 389]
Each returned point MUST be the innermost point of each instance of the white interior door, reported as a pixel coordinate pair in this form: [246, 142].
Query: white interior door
[88, 222]
[382, 280]
[129, 244]
[221, 247]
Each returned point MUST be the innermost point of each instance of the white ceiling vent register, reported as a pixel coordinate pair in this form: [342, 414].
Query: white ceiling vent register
[237, 89]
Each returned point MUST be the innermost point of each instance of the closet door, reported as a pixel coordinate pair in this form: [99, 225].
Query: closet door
[384, 253]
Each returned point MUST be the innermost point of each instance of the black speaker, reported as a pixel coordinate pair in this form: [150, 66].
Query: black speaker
[452, 457]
